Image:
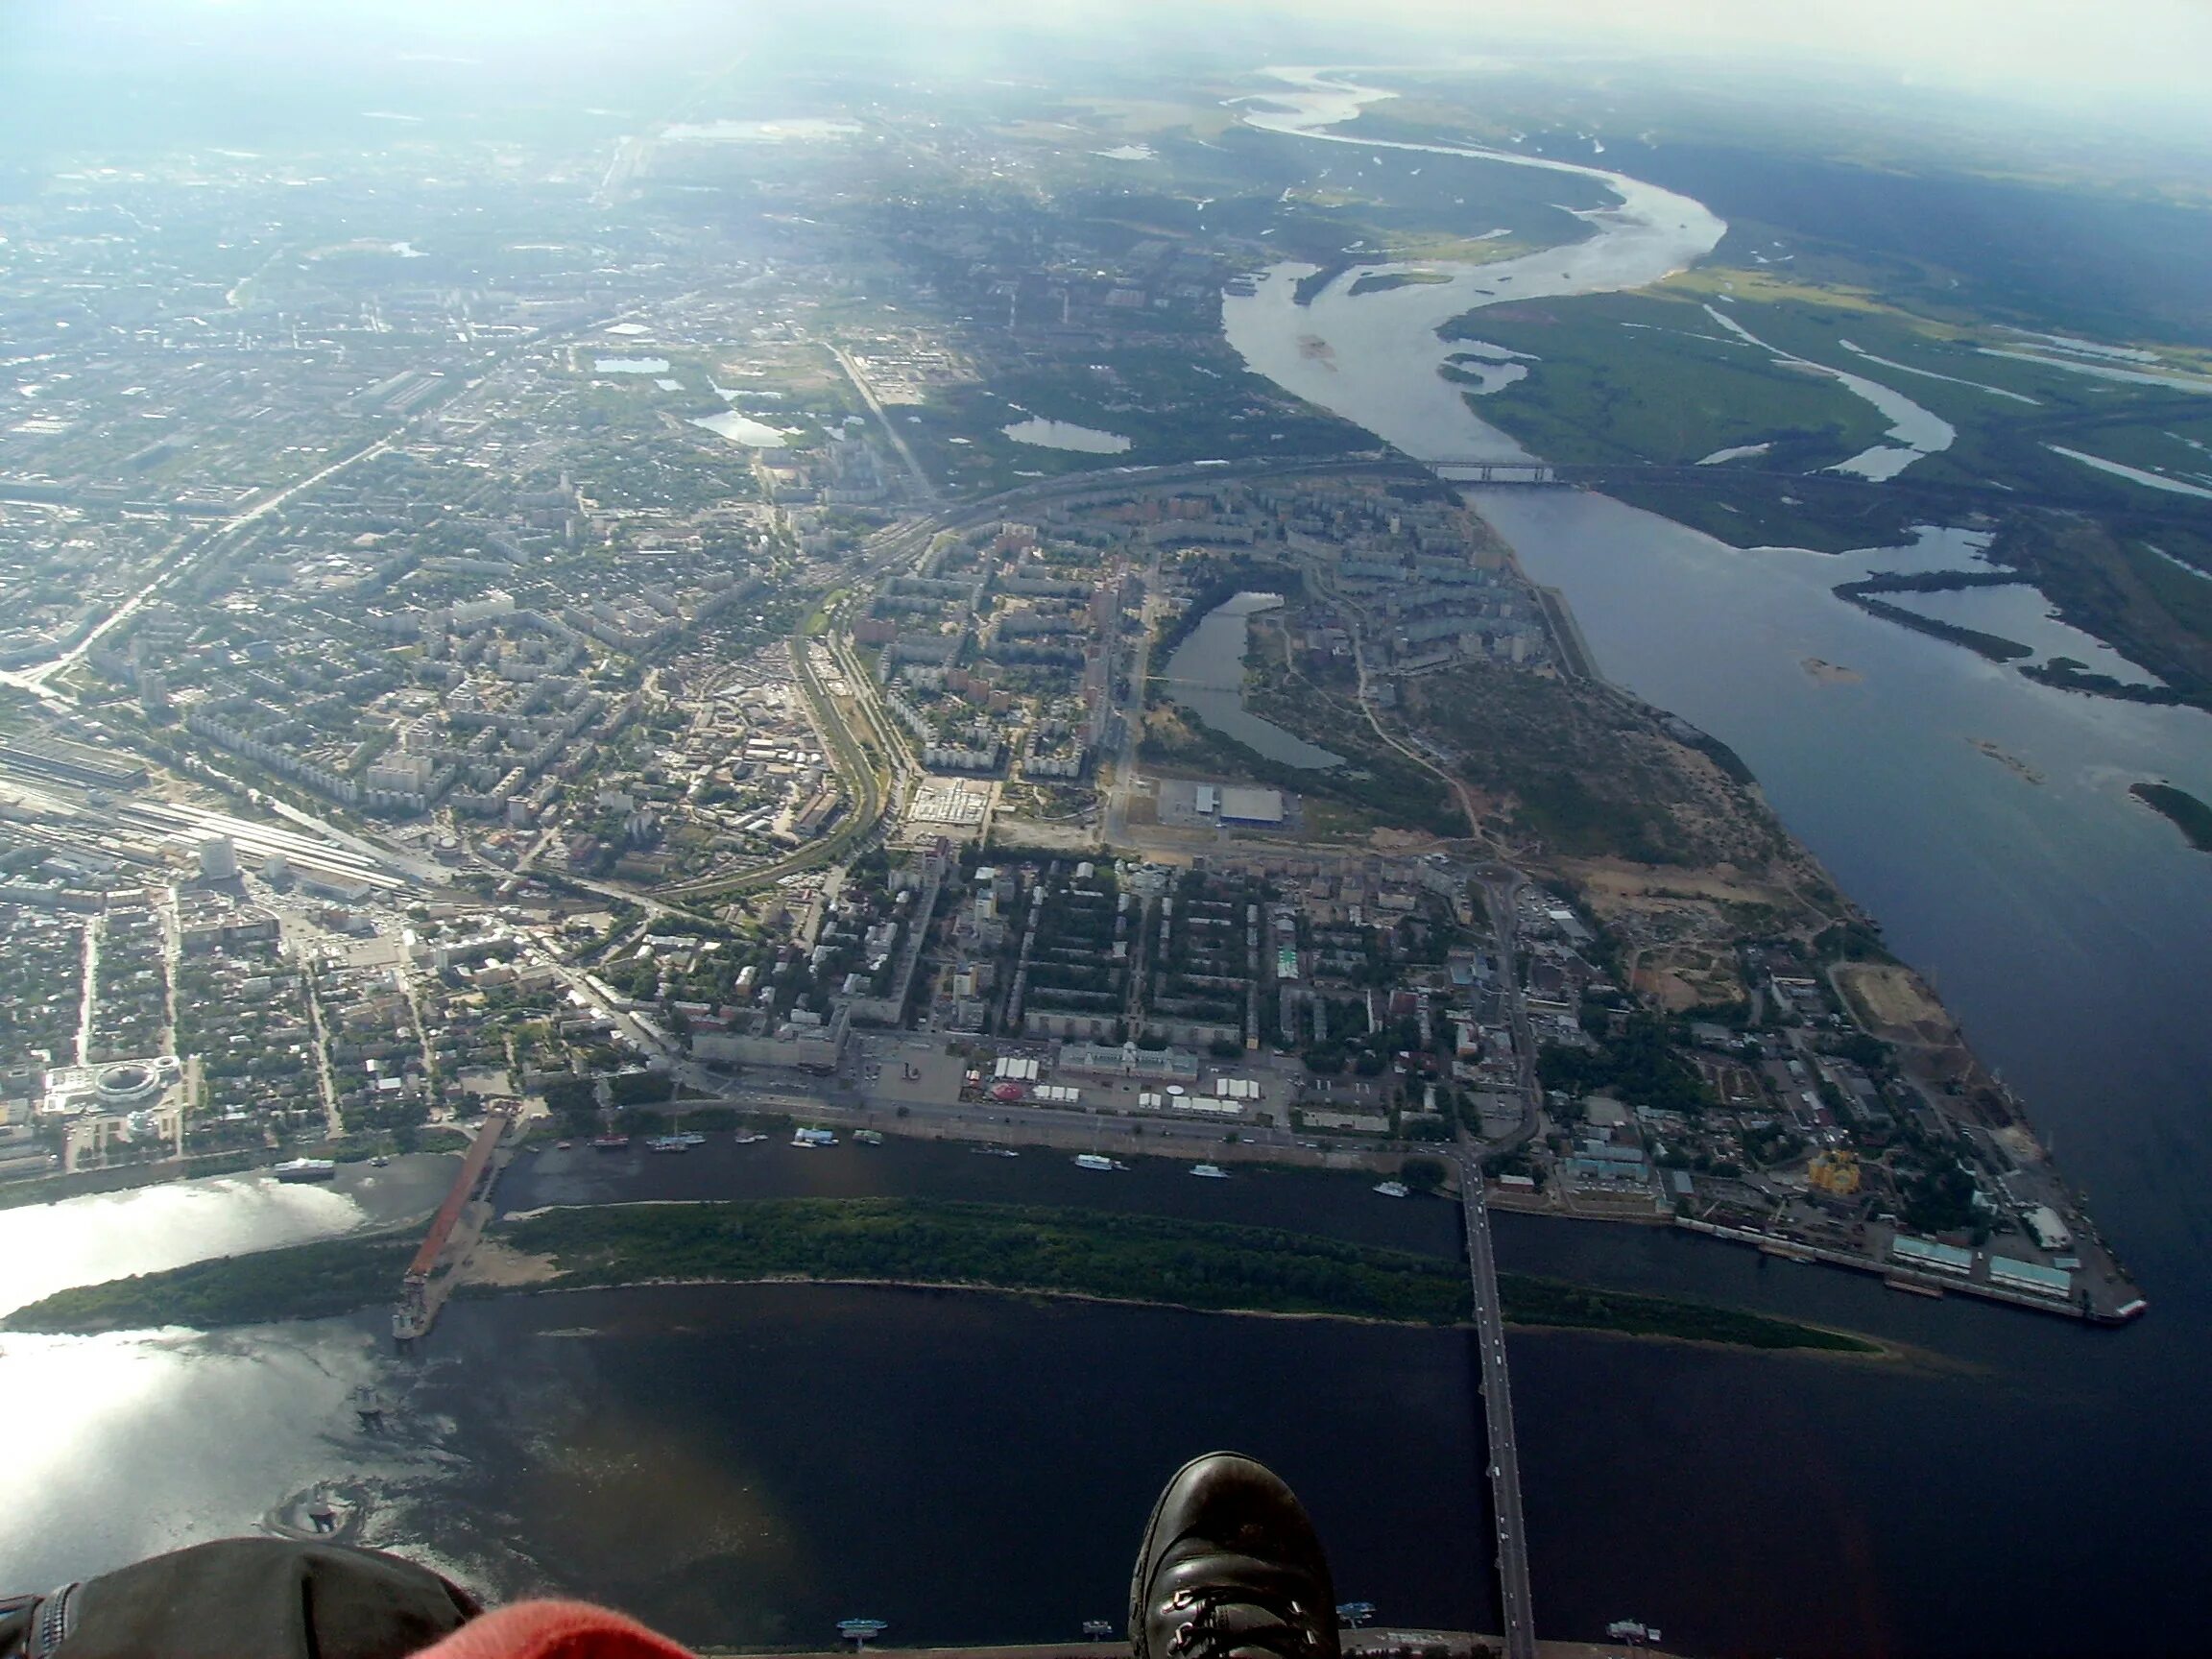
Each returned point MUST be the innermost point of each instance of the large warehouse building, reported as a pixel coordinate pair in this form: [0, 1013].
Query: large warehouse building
[1262, 807]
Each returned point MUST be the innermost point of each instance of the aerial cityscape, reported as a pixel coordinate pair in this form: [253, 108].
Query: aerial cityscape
[691, 704]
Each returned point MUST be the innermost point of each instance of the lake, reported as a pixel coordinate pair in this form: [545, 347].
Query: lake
[1043, 434]
[741, 429]
[1206, 675]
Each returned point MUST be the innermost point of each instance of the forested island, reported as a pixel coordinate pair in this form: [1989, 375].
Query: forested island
[315, 1281]
[2188, 814]
[1206, 1266]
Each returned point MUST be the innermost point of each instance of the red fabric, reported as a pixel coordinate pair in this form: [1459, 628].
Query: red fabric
[554, 1630]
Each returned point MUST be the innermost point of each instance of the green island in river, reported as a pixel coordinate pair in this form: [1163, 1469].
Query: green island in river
[1206, 1266]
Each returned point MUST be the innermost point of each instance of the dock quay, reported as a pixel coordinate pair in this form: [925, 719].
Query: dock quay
[2110, 1301]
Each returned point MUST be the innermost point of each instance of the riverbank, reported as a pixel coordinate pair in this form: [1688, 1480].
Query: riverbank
[1062, 1253]
[130, 1177]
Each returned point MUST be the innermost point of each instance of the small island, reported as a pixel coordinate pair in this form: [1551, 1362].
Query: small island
[1383, 281]
[1827, 673]
[2004, 758]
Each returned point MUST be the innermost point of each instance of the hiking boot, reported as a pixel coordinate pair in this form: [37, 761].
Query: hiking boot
[1230, 1569]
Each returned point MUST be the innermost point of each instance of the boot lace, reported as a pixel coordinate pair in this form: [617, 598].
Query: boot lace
[1218, 1621]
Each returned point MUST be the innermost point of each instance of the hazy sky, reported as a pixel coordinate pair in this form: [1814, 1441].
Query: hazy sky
[2160, 50]
[2110, 45]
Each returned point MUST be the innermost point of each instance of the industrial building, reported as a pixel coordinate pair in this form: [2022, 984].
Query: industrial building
[2015, 1275]
[1926, 1253]
[1236, 803]
[805, 1042]
[1263, 807]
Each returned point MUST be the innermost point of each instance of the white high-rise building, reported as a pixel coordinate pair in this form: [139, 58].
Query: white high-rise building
[218, 859]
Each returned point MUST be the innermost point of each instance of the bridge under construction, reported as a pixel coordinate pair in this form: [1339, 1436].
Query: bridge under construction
[419, 1299]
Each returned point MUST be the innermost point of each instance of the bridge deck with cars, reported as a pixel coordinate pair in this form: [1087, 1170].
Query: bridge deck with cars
[1514, 1601]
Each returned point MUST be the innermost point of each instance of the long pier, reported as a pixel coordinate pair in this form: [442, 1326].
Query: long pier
[417, 1308]
[1514, 1601]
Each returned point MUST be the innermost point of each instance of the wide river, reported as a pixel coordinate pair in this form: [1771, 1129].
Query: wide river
[2068, 927]
[751, 1463]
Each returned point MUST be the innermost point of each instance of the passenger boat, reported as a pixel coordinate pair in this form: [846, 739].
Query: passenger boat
[1210, 1171]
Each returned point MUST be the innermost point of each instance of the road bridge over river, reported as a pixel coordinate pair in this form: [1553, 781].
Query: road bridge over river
[1494, 473]
[1514, 1603]
[1832, 485]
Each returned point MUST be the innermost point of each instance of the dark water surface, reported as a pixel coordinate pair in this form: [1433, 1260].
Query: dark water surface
[2016, 1483]
[752, 1463]
[1339, 1203]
